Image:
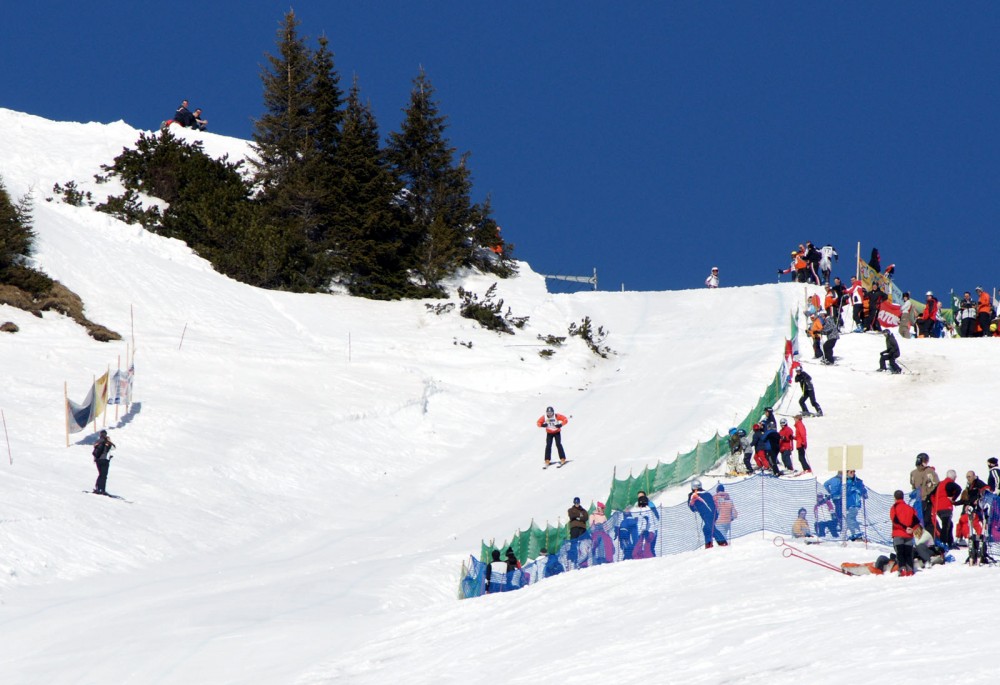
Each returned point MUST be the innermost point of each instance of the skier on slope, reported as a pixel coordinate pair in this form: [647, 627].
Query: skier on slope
[808, 391]
[703, 504]
[801, 443]
[786, 444]
[102, 459]
[890, 354]
[553, 424]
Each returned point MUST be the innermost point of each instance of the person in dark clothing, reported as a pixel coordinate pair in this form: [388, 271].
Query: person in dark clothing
[200, 122]
[808, 391]
[183, 116]
[102, 459]
[993, 480]
[768, 420]
[890, 354]
[577, 519]
[771, 442]
[945, 497]
[875, 261]
[512, 563]
[875, 299]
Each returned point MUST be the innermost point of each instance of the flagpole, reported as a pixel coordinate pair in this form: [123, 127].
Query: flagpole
[93, 408]
[107, 380]
[857, 263]
[118, 377]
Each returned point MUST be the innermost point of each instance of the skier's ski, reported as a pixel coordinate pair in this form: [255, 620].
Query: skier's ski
[108, 494]
[563, 463]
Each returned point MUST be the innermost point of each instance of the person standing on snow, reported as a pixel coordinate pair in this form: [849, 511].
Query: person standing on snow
[924, 479]
[102, 459]
[965, 316]
[577, 519]
[828, 255]
[906, 316]
[856, 494]
[801, 442]
[553, 424]
[832, 333]
[713, 278]
[703, 504]
[808, 391]
[993, 480]
[890, 354]
[984, 310]
[945, 496]
[903, 518]
[496, 573]
[726, 511]
[786, 442]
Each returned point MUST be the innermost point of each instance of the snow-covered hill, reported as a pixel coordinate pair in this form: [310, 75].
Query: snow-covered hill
[307, 473]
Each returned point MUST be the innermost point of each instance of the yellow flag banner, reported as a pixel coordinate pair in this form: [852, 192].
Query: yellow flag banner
[101, 394]
[870, 278]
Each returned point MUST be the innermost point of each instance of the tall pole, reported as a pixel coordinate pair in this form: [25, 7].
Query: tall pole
[66, 405]
[857, 263]
[9, 455]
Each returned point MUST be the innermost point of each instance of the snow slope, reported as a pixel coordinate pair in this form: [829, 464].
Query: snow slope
[308, 472]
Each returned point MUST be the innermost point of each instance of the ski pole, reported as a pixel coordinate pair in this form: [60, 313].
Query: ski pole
[788, 551]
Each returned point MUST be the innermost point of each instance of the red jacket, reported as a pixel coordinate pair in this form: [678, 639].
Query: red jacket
[903, 518]
[800, 434]
[940, 498]
[931, 310]
[554, 425]
[786, 439]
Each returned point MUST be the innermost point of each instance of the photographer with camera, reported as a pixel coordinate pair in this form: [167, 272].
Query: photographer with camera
[102, 459]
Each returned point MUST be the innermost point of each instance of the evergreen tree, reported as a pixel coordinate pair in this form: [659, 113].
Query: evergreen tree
[16, 234]
[366, 246]
[437, 188]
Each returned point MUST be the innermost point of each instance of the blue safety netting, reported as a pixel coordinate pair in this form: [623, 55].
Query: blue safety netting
[759, 503]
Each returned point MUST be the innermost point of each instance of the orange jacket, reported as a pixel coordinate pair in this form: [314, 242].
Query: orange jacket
[830, 301]
[815, 328]
[553, 425]
[985, 305]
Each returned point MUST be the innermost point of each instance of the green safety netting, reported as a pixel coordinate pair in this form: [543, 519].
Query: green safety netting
[526, 544]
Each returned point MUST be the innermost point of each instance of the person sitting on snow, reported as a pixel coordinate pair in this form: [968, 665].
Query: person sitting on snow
[183, 116]
[800, 527]
[200, 122]
[823, 513]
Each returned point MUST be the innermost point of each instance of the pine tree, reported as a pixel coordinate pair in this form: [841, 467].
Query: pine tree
[16, 234]
[367, 244]
[437, 197]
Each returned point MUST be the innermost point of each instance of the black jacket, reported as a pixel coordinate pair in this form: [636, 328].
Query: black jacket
[102, 448]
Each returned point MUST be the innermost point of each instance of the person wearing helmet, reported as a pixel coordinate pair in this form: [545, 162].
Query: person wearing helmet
[928, 318]
[713, 278]
[757, 447]
[703, 504]
[553, 424]
[890, 354]
[786, 442]
[768, 420]
[102, 460]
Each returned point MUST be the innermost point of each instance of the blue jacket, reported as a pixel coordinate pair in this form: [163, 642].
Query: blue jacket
[832, 486]
[856, 491]
[703, 504]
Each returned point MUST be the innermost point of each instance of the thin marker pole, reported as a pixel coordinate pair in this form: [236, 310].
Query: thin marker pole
[9, 455]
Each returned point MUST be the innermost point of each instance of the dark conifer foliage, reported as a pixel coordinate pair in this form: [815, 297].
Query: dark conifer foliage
[368, 244]
[16, 233]
[437, 186]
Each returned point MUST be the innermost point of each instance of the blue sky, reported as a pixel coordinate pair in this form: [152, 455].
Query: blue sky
[649, 140]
